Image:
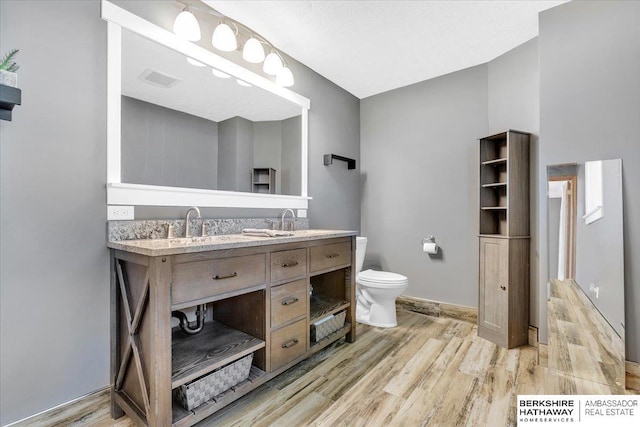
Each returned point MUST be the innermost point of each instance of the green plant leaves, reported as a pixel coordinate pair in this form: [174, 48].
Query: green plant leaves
[8, 63]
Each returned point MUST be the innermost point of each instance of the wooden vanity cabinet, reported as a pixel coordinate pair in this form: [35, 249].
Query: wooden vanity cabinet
[259, 301]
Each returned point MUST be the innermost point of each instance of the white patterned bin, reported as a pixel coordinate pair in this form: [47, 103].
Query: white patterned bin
[206, 388]
[325, 327]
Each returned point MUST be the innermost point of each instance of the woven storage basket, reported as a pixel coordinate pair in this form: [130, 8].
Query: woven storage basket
[206, 388]
[327, 326]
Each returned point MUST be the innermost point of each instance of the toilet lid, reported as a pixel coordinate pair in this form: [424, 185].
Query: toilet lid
[382, 277]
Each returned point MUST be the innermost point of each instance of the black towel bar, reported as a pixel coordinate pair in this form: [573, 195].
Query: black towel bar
[328, 159]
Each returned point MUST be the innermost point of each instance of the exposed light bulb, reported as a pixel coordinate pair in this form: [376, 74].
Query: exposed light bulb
[224, 39]
[253, 51]
[186, 26]
[219, 74]
[194, 62]
[272, 64]
[243, 83]
[284, 77]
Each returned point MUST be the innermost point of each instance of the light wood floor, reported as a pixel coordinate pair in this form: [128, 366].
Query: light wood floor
[428, 371]
[581, 342]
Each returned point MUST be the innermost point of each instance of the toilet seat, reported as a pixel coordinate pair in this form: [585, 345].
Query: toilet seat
[381, 279]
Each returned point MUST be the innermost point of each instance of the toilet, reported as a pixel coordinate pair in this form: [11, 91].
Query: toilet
[376, 292]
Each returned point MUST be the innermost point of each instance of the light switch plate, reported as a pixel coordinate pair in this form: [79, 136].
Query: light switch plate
[117, 213]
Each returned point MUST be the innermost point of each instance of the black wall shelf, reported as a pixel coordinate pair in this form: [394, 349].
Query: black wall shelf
[9, 98]
[328, 159]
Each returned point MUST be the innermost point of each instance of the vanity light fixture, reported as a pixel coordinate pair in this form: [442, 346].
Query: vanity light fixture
[186, 26]
[220, 74]
[226, 36]
[284, 77]
[272, 64]
[253, 51]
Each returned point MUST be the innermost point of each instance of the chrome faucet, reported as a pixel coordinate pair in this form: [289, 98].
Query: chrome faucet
[187, 228]
[284, 213]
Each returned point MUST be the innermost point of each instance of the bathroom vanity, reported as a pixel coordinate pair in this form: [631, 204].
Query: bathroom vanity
[262, 296]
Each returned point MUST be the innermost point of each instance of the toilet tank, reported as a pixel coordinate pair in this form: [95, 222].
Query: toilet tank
[361, 248]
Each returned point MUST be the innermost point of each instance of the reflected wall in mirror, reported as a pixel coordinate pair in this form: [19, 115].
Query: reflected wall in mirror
[183, 126]
[585, 311]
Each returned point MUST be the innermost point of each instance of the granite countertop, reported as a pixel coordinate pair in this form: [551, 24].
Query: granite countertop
[182, 245]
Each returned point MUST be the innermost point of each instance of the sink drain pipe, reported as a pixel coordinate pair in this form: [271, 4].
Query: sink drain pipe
[201, 314]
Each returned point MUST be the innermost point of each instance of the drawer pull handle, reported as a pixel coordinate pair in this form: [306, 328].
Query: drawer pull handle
[504, 288]
[290, 301]
[333, 255]
[290, 264]
[291, 343]
[217, 277]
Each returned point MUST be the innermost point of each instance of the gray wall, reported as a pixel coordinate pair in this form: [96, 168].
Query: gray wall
[53, 256]
[235, 154]
[291, 154]
[419, 174]
[423, 139]
[54, 264]
[514, 103]
[267, 148]
[599, 247]
[334, 127]
[589, 109]
[227, 154]
[161, 146]
[244, 160]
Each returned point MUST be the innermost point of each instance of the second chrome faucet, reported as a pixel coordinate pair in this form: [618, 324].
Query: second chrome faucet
[293, 217]
[187, 225]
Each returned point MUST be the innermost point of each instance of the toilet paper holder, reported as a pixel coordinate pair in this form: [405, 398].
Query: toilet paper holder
[430, 246]
[429, 239]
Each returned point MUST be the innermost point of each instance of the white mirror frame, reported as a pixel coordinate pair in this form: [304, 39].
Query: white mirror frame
[119, 193]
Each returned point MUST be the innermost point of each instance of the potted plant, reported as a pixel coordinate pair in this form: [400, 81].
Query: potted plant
[8, 68]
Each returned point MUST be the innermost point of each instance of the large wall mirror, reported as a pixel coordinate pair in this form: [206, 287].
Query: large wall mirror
[585, 310]
[187, 127]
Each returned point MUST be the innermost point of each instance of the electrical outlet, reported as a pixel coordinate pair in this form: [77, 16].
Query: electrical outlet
[594, 290]
[115, 213]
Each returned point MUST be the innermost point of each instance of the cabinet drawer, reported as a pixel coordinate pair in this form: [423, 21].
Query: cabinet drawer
[288, 343]
[328, 256]
[288, 302]
[288, 264]
[205, 279]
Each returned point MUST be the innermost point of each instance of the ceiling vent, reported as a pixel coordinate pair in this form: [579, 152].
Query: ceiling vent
[158, 79]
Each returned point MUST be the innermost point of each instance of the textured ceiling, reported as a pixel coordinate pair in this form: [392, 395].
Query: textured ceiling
[369, 47]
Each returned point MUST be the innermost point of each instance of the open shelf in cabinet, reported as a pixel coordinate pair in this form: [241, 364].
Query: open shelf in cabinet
[493, 197]
[322, 306]
[493, 220]
[217, 345]
[263, 180]
[494, 149]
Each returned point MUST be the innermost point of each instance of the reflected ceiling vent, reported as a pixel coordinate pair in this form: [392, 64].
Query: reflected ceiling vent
[158, 79]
